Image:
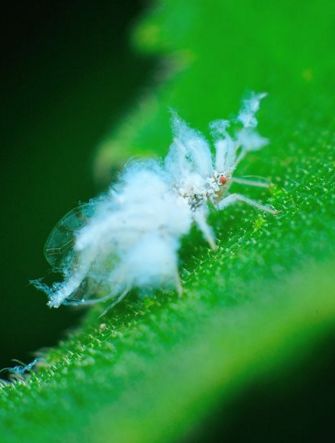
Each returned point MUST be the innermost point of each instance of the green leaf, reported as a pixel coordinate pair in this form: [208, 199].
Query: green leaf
[154, 368]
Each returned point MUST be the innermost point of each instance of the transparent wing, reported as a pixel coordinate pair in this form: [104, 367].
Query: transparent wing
[58, 248]
[90, 292]
[96, 286]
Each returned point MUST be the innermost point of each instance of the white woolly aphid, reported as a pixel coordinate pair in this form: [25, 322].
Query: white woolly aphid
[129, 238]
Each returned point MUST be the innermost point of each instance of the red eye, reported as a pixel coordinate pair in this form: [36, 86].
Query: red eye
[223, 180]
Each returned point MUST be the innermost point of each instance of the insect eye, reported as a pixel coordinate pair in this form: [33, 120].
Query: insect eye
[223, 180]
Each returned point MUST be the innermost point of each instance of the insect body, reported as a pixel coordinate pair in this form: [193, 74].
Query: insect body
[130, 236]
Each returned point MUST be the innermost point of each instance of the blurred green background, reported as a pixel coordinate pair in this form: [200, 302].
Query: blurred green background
[67, 77]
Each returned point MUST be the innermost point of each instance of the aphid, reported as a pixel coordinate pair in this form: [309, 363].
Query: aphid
[129, 237]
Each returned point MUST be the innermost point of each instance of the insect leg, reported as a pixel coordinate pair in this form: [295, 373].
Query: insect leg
[207, 232]
[233, 198]
[248, 182]
[179, 286]
[117, 301]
